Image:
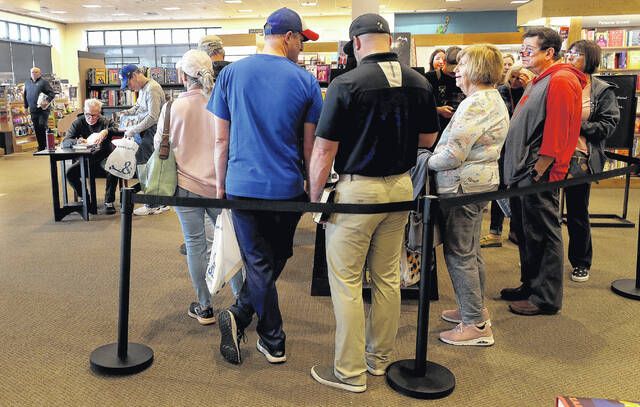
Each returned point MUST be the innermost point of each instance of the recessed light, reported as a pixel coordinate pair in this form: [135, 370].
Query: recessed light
[119, 14]
[171, 8]
[439, 10]
[519, 1]
[91, 6]
[246, 10]
[452, 1]
[233, 1]
[58, 12]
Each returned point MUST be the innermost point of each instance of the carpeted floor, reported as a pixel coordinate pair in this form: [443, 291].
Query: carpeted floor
[58, 302]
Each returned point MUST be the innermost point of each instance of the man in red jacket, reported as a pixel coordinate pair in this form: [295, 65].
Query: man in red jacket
[542, 136]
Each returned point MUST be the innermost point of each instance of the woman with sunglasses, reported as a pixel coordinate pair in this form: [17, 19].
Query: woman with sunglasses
[600, 116]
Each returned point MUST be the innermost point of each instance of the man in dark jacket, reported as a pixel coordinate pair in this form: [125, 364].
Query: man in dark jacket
[92, 128]
[39, 112]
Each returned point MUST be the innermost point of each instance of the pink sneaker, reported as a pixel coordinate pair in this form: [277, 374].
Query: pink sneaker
[468, 335]
[453, 315]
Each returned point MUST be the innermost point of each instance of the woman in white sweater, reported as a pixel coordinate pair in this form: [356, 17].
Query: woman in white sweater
[466, 161]
[192, 141]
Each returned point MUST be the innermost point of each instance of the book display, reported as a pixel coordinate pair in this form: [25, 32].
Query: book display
[620, 56]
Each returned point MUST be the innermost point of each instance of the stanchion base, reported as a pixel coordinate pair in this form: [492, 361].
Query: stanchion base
[626, 288]
[105, 360]
[437, 383]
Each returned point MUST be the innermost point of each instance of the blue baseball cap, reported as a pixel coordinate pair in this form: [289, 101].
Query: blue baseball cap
[283, 20]
[125, 73]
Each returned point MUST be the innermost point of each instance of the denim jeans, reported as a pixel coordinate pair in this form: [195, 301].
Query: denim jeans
[461, 238]
[198, 240]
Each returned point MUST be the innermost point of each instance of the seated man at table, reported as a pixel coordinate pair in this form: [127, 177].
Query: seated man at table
[92, 128]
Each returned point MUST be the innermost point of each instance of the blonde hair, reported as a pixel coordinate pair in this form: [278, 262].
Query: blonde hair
[484, 63]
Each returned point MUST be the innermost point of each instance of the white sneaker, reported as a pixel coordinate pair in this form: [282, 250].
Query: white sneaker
[147, 210]
[468, 335]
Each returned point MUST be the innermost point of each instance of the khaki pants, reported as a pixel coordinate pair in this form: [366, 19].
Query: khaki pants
[350, 239]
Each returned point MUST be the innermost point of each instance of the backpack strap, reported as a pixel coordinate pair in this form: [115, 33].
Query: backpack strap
[164, 144]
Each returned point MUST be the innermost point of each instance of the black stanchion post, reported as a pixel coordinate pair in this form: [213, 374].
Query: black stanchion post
[630, 288]
[123, 358]
[418, 377]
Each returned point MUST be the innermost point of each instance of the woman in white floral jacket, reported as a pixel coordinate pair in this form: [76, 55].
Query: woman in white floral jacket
[466, 161]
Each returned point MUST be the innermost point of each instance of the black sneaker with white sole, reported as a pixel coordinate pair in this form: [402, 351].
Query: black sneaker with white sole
[109, 208]
[230, 337]
[272, 356]
[203, 315]
[580, 274]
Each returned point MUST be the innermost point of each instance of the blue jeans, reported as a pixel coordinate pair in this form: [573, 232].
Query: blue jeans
[266, 243]
[198, 240]
[461, 237]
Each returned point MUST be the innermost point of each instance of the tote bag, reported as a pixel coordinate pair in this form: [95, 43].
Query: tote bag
[225, 260]
[161, 177]
[122, 161]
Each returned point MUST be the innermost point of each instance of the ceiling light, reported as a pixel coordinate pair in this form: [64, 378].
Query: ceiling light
[519, 1]
[91, 6]
[246, 10]
[233, 1]
[451, 1]
[171, 8]
[439, 10]
[119, 14]
[58, 12]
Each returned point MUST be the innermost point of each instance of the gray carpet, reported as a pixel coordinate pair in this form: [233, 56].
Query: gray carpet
[58, 302]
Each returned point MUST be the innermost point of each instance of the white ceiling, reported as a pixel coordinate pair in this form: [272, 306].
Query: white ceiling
[72, 11]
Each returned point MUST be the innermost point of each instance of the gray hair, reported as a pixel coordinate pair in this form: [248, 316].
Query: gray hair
[89, 103]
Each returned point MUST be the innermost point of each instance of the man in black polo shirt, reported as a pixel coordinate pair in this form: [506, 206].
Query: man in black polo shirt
[92, 128]
[372, 122]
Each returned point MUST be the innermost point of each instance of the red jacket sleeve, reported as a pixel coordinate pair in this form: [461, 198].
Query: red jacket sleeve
[564, 110]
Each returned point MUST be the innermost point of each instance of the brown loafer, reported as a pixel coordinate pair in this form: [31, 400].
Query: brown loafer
[526, 307]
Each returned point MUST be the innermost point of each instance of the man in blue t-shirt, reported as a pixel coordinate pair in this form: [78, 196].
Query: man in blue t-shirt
[266, 109]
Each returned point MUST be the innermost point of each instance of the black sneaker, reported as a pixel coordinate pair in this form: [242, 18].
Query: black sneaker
[109, 208]
[272, 356]
[230, 337]
[580, 274]
[203, 315]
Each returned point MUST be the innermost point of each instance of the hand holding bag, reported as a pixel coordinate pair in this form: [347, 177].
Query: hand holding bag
[225, 260]
[122, 161]
[161, 177]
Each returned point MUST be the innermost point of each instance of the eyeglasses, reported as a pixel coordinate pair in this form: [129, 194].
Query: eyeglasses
[573, 54]
[528, 52]
[92, 115]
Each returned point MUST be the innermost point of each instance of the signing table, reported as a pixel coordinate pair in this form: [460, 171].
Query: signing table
[86, 158]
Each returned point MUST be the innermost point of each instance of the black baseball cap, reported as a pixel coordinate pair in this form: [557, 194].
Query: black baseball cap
[369, 23]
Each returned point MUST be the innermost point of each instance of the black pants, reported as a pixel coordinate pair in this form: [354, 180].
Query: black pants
[580, 248]
[497, 219]
[40, 119]
[73, 177]
[145, 149]
[540, 244]
[266, 243]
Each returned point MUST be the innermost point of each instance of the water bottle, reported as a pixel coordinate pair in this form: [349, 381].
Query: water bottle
[51, 140]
